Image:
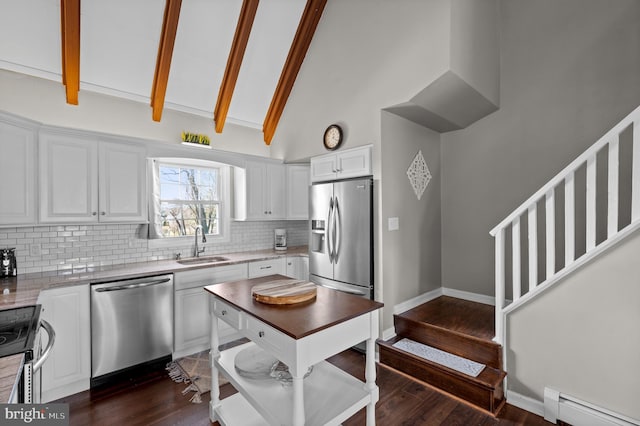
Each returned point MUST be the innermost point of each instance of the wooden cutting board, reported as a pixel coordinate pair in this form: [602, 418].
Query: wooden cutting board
[284, 292]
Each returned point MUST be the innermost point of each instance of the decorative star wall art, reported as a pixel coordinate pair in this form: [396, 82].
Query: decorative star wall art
[419, 174]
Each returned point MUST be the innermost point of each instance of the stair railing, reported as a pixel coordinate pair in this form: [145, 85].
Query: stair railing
[544, 241]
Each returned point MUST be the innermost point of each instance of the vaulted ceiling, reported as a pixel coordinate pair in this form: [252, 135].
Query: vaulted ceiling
[232, 60]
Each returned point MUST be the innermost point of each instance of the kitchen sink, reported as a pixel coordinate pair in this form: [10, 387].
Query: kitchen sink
[202, 259]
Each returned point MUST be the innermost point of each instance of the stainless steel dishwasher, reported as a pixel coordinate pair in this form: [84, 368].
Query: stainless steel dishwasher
[131, 322]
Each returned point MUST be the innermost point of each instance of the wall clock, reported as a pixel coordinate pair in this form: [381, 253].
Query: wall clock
[332, 137]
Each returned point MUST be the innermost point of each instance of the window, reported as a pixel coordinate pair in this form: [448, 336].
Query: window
[187, 194]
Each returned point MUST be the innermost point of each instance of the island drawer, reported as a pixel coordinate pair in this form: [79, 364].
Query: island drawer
[227, 313]
[268, 338]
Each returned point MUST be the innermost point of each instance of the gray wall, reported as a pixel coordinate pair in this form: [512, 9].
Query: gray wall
[581, 336]
[410, 255]
[570, 70]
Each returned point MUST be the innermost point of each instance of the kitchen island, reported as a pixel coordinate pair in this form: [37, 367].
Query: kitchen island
[302, 336]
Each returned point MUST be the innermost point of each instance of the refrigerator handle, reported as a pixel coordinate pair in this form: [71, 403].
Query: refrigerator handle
[329, 232]
[337, 223]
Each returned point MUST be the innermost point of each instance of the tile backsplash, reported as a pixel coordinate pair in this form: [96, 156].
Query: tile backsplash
[77, 247]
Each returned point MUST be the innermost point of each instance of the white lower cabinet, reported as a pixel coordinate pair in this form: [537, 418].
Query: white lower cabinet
[262, 268]
[68, 368]
[192, 321]
[298, 267]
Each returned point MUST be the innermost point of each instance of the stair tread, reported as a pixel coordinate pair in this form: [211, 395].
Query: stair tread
[489, 376]
[456, 315]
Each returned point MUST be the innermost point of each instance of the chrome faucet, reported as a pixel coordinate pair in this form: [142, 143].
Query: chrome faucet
[197, 251]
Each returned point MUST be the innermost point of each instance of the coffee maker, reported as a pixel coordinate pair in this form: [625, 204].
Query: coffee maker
[8, 267]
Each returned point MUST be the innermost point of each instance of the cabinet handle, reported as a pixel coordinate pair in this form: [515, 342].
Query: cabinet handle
[269, 211]
[103, 213]
[223, 313]
[261, 334]
[289, 263]
[265, 267]
[265, 212]
[94, 213]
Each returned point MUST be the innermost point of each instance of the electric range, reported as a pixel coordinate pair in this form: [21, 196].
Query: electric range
[18, 330]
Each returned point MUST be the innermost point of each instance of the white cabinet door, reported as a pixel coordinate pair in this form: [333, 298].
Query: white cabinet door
[354, 163]
[323, 167]
[297, 192]
[192, 319]
[122, 183]
[260, 192]
[68, 368]
[68, 178]
[17, 173]
[275, 187]
[263, 268]
[298, 267]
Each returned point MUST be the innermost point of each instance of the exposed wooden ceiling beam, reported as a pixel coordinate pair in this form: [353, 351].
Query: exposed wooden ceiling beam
[304, 34]
[238, 47]
[165, 51]
[70, 32]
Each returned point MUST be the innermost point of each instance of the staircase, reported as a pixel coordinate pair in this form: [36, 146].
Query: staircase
[460, 328]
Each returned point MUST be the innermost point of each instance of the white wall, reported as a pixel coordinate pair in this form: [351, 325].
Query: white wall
[375, 53]
[44, 101]
[569, 72]
[410, 255]
[581, 336]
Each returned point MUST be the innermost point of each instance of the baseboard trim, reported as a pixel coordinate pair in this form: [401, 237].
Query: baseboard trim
[526, 403]
[389, 333]
[467, 295]
[416, 301]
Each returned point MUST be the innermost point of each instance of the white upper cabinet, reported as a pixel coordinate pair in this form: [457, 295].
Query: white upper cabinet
[83, 180]
[122, 183]
[297, 192]
[260, 192]
[344, 164]
[68, 178]
[17, 172]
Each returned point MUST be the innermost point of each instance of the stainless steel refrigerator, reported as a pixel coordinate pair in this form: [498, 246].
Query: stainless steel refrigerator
[341, 235]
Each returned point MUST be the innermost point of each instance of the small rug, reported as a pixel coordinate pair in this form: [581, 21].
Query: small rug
[455, 362]
[196, 372]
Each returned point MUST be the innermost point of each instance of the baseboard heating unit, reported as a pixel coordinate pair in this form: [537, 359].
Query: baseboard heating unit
[566, 408]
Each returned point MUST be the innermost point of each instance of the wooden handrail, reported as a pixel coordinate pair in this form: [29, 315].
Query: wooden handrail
[238, 47]
[70, 43]
[165, 51]
[301, 42]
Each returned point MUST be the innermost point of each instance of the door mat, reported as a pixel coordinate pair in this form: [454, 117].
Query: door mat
[196, 371]
[455, 362]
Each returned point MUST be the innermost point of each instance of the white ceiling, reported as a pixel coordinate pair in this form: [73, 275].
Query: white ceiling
[119, 47]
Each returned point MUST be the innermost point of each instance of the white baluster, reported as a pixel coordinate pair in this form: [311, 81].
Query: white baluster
[532, 220]
[569, 219]
[500, 283]
[591, 203]
[635, 174]
[614, 160]
[550, 217]
[515, 249]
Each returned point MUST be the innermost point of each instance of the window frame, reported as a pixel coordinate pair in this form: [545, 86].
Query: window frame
[224, 206]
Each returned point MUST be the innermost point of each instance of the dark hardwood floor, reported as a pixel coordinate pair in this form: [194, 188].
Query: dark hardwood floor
[153, 399]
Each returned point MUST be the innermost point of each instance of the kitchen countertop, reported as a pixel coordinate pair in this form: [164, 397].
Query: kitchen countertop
[24, 289]
[10, 370]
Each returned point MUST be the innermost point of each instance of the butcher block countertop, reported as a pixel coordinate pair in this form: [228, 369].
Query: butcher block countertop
[24, 289]
[330, 307]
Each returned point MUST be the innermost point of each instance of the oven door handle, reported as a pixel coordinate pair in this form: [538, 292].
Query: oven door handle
[45, 354]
